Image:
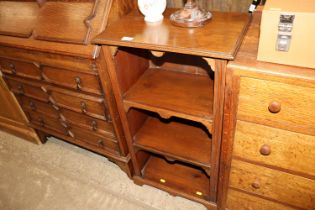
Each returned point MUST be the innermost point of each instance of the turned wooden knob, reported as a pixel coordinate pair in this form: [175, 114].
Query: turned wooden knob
[265, 150]
[274, 107]
[256, 184]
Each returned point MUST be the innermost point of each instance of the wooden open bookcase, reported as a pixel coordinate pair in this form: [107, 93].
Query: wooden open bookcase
[168, 83]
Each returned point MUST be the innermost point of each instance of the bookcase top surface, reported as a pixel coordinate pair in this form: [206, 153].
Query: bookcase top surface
[219, 38]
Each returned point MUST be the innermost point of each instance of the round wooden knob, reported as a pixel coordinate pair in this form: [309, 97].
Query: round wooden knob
[256, 185]
[265, 150]
[274, 107]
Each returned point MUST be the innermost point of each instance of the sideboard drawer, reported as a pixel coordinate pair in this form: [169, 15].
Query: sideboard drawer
[242, 201]
[80, 81]
[277, 104]
[20, 87]
[92, 124]
[99, 141]
[89, 105]
[33, 105]
[275, 147]
[20, 68]
[46, 122]
[283, 187]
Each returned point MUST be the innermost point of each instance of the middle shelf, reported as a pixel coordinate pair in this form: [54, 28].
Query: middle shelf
[171, 93]
[173, 137]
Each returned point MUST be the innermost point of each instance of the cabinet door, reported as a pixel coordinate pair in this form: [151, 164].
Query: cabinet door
[12, 119]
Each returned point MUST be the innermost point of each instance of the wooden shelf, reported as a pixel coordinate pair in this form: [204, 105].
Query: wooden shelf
[175, 140]
[178, 177]
[170, 93]
[219, 38]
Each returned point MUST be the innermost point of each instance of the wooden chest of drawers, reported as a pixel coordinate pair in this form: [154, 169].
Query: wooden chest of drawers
[58, 77]
[269, 138]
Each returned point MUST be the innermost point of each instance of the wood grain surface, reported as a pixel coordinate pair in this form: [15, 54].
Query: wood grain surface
[297, 104]
[284, 187]
[220, 38]
[240, 200]
[171, 138]
[18, 18]
[289, 150]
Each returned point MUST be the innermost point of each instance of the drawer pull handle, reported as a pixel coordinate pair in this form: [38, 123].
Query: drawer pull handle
[256, 185]
[78, 82]
[274, 107]
[94, 125]
[12, 67]
[21, 89]
[32, 105]
[265, 150]
[83, 107]
[100, 143]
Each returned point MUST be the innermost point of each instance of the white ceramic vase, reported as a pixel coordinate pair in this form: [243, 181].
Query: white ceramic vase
[152, 9]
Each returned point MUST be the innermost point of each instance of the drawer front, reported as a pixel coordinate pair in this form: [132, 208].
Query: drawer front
[20, 88]
[283, 187]
[20, 68]
[99, 141]
[89, 105]
[87, 82]
[33, 105]
[242, 201]
[92, 124]
[45, 122]
[275, 147]
[275, 103]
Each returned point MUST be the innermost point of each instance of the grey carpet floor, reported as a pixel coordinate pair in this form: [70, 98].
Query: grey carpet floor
[61, 176]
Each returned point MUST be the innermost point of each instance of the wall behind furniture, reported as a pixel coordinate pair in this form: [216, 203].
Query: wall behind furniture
[216, 5]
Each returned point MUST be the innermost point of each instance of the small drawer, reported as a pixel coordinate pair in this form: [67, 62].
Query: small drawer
[80, 81]
[88, 105]
[99, 141]
[33, 105]
[281, 186]
[46, 122]
[20, 87]
[20, 68]
[242, 201]
[275, 147]
[92, 124]
[277, 104]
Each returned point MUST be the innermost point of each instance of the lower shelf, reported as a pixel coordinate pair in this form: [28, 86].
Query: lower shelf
[179, 139]
[183, 178]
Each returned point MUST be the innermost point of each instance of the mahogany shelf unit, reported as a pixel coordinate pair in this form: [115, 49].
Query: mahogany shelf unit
[168, 83]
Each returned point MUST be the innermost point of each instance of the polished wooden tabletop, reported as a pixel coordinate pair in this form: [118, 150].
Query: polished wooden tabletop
[219, 38]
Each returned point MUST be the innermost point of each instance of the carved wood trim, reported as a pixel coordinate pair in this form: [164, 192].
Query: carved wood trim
[87, 21]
